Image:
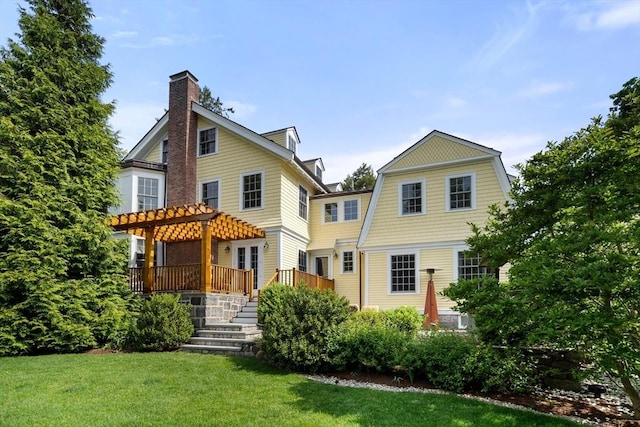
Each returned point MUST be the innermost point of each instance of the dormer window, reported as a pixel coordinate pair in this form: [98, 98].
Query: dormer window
[207, 139]
[291, 144]
[319, 172]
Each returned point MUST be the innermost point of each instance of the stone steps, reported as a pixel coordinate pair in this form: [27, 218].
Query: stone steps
[248, 315]
[236, 339]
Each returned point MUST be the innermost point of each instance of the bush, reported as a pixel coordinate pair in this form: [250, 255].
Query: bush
[298, 324]
[162, 324]
[272, 298]
[405, 319]
[368, 344]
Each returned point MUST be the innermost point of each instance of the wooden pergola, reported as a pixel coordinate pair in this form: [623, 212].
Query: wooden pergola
[182, 224]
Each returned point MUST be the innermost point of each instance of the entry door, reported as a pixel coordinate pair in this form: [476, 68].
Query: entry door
[322, 266]
[248, 257]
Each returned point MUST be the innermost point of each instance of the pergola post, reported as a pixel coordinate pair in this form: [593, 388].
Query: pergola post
[205, 258]
[148, 276]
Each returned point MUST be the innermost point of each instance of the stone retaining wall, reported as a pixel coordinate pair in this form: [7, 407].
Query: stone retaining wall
[212, 308]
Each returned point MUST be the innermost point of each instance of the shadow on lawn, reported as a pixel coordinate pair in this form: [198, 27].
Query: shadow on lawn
[363, 406]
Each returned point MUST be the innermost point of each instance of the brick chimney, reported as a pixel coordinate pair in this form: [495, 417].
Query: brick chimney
[181, 158]
[182, 145]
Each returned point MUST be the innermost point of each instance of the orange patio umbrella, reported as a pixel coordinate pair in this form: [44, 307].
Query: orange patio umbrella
[430, 304]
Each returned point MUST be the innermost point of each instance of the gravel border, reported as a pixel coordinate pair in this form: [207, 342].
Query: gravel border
[359, 384]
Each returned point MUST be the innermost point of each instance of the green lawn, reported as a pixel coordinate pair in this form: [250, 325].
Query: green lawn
[184, 389]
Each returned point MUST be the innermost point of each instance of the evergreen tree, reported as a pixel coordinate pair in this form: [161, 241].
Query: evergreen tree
[362, 178]
[62, 281]
[214, 104]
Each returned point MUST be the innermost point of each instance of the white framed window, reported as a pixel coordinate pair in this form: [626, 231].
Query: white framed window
[330, 212]
[302, 260]
[210, 193]
[468, 266]
[251, 190]
[165, 152]
[147, 193]
[207, 141]
[403, 273]
[351, 211]
[412, 198]
[318, 171]
[460, 192]
[291, 143]
[348, 264]
[303, 202]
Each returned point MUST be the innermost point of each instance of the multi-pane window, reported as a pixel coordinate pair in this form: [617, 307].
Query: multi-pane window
[302, 260]
[412, 198]
[207, 141]
[147, 193]
[460, 192]
[403, 273]
[252, 191]
[350, 210]
[210, 194]
[330, 212]
[347, 262]
[165, 151]
[469, 267]
[291, 144]
[319, 172]
[303, 203]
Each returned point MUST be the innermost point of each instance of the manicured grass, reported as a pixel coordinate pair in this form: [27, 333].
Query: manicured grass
[183, 389]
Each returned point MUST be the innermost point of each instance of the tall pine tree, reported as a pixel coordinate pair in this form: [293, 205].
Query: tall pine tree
[62, 281]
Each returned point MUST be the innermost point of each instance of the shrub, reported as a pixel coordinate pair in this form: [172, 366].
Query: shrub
[368, 345]
[444, 362]
[405, 319]
[272, 298]
[162, 324]
[297, 326]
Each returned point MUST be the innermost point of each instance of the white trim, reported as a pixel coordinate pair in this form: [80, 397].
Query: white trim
[358, 200]
[234, 127]
[262, 190]
[208, 181]
[368, 218]
[216, 141]
[437, 133]
[323, 212]
[423, 196]
[455, 250]
[447, 191]
[308, 204]
[321, 254]
[416, 254]
[151, 135]
[366, 279]
[503, 179]
[410, 246]
[425, 167]
[353, 261]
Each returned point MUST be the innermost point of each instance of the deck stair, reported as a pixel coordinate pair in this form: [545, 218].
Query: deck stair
[234, 339]
[249, 314]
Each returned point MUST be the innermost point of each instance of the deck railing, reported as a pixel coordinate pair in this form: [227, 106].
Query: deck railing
[295, 277]
[178, 278]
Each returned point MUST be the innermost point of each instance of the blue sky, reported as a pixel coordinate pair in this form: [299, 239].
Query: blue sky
[363, 80]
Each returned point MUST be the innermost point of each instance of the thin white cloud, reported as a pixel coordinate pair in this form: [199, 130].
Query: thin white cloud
[171, 40]
[134, 120]
[455, 102]
[539, 89]
[505, 38]
[242, 111]
[615, 15]
[516, 148]
[124, 34]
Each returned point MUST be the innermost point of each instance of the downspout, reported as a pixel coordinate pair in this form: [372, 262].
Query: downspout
[360, 278]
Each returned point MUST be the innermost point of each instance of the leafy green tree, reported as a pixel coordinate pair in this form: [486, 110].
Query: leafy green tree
[572, 235]
[62, 277]
[626, 107]
[362, 178]
[214, 104]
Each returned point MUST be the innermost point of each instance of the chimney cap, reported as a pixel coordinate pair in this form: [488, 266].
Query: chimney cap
[183, 75]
